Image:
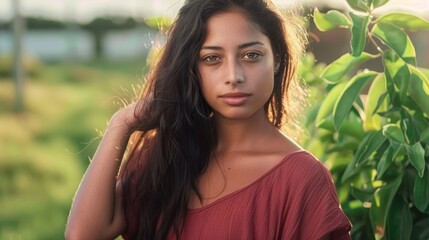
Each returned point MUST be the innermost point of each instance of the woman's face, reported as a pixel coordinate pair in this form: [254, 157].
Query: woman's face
[236, 66]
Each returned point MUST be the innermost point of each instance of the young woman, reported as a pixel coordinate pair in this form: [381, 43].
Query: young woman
[207, 159]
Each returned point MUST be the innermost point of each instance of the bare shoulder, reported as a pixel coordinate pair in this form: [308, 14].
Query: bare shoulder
[284, 145]
[272, 151]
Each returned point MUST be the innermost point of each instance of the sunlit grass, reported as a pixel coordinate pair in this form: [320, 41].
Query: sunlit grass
[44, 151]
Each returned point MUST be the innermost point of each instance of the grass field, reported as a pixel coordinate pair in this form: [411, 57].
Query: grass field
[45, 149]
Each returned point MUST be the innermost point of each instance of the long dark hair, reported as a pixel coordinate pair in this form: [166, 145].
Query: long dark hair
[175, 134]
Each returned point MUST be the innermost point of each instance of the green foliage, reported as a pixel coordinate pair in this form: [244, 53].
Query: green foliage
[330, 20]
[32, 66]
[159, 23]
[405, 21]
[336, 70]
[45, 150]
[104, 24]
[399, 220]
[372, 128]
[360, 5]
[43, 23]
[359, 31]
[397, 40]
[100, 24]
[349, 95]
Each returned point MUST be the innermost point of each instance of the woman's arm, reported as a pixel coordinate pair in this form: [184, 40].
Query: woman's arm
[96, 211]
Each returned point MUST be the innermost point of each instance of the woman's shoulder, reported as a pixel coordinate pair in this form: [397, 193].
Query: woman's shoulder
[297, 160]
[288, 146]
[301, 169]
[305, 162]
[308, 194]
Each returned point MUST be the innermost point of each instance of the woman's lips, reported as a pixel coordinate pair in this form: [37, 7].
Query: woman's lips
[236, 98]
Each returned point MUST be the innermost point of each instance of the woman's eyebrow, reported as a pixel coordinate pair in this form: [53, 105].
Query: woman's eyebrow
[211, 47]
[241, 46]
[249, 44]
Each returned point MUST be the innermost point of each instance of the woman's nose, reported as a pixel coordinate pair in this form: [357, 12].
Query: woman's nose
[235, 73]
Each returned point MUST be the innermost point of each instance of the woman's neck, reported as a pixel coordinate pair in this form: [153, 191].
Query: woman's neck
[243, 134]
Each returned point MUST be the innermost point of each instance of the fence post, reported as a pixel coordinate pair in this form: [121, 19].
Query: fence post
[18, 71]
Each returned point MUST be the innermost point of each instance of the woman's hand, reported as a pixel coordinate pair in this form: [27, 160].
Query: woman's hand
[135, 115]
[125, 118]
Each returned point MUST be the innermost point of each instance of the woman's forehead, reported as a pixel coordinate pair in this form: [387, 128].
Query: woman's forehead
[232, 26]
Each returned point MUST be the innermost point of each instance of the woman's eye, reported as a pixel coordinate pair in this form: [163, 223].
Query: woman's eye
[211, 59]
[252, 56]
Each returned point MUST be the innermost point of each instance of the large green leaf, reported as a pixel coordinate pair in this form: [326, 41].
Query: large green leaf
[424, 71]
[372, 120]
[378, 3]
[387, 158]
[397, 40]
[350, 127]
[381, 204]
[339, 159]
[421, 191]
[424, 137]
[405, 21]
[408, 128]
[369, 144]
[416, 154]
[397, 72]
[421, 229]
[399, 220]
[394, 133]
[311, 115]
[337, 69]
[359, 33]
[360, 5]
[330, 20]
[390, 85]
[363, 195]
[327, 107]
[349, 95]
[346, 145]
[419, 89]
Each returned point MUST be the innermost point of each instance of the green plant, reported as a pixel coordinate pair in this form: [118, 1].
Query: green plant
[31, 65]
[372, 128]
[45, 151]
